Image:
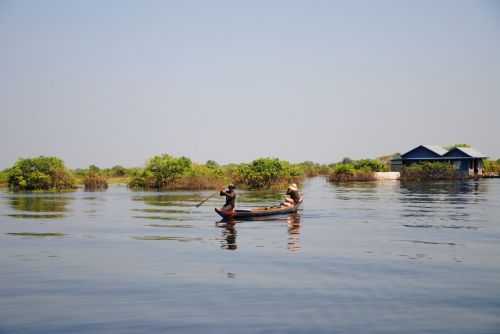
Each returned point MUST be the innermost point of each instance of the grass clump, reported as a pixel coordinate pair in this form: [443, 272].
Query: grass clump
[429, 171]
[41, 173]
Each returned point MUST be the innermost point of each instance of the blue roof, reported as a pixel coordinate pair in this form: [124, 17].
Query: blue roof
[471, 152]
[437, 150]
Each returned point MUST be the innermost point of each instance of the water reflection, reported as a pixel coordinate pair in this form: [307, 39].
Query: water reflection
[39, 203]
[182, 199]
[229, 232]
[165, 238]
[38, 206]
[441, 204]
[293, 232]
[357, 191]
[166, 207]
[459, 192]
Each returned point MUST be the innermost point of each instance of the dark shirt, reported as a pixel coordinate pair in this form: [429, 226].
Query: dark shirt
[294, 194]
[230, 199]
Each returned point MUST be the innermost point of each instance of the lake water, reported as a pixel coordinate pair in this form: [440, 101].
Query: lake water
[359, 258]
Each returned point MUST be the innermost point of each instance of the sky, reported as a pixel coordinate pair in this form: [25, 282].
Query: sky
[116, 82]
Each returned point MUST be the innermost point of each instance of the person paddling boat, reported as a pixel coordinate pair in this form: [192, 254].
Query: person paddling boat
[230, 197]
[293, 196]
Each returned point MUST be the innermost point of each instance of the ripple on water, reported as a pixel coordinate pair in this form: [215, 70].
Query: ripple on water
[36, 234]
[164, 237]
[36, 216]
[181, 200]
[456, 227]
[160, 218]
[170, 225]
[150, 210]
[430, 242]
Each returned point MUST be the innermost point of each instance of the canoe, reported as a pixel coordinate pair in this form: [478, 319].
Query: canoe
[257, 212]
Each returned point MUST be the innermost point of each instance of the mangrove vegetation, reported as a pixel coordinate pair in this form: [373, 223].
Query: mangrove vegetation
[356, 170]
[94, 179]
[166, 172]
[40, 173]
[492, 167]
[429, 171]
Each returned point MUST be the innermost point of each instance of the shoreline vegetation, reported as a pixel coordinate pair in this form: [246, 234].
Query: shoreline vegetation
[430, 171]
[166, 172]
[162, 172]
[357, 170]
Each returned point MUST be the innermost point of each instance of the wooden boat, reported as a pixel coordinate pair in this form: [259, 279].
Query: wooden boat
[258, 212]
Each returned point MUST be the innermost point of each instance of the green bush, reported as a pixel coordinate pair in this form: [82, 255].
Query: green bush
[41, 173]
[118, 171]
[200, 177]
[372, 165]
[266, 173]
[212, 164]
[429, 171]
[161, 172]
[356, 170]
[343, 172]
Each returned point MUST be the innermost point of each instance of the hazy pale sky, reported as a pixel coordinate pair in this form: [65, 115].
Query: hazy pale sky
[115, 82]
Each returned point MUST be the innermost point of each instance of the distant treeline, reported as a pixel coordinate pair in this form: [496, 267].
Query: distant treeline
[166, 172]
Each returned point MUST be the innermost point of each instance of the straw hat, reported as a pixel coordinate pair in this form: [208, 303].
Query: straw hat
[293, 187]
[231, 186]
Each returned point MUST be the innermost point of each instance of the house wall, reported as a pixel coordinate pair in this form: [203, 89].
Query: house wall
[466, 166]
[480, 167]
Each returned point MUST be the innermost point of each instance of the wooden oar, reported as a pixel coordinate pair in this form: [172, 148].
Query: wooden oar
[206, 199]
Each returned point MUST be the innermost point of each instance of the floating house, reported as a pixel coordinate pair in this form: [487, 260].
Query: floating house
[464, 159]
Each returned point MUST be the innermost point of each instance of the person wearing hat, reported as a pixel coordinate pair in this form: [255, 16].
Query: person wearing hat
[230, 197]
[294, 195]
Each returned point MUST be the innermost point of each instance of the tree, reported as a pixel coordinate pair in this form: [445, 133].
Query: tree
[41, 173]
[118, 171]
[161, 172]
[212, 164]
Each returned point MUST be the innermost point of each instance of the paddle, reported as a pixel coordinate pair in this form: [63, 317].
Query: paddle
[206, 199]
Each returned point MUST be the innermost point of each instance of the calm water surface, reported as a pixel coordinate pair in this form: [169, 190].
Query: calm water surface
[359, 258]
